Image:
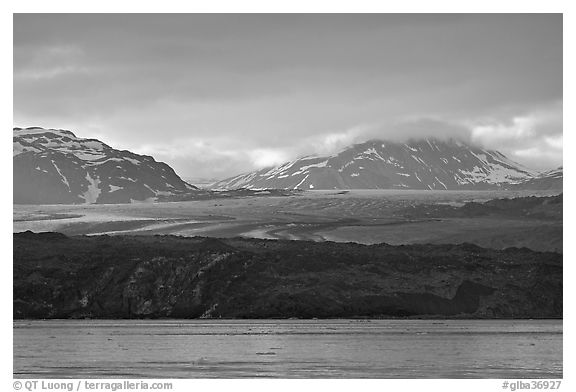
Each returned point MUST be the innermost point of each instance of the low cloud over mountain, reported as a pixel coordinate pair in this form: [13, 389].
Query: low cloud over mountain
[418, 164]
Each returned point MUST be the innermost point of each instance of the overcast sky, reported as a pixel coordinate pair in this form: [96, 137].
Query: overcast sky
[215, 95]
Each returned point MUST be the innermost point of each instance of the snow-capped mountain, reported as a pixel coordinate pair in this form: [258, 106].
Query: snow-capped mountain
[376, 164]
[53, 166]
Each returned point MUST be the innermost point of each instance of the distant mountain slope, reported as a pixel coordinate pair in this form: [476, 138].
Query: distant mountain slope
[549, 180]
[530, 207]
[376, 164]
[53, 166]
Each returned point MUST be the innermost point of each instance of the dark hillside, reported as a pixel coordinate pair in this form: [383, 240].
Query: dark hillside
[165, 276]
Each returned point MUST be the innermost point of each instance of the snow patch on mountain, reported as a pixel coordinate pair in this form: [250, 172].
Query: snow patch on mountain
[64, 179]
[91, 195]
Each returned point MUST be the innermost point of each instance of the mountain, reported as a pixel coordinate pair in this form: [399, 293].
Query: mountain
[53, 166]
[376, 164]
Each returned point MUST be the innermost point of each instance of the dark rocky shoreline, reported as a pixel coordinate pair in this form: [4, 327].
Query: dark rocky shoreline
[150, 277]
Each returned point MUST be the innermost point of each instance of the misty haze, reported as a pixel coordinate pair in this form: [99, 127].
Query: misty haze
[288, 196]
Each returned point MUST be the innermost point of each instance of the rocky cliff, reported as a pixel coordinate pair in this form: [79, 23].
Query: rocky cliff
[165, 276]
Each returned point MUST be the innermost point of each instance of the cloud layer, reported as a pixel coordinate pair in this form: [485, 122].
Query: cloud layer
[214, 95]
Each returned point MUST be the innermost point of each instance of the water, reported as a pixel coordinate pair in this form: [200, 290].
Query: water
[288, 349]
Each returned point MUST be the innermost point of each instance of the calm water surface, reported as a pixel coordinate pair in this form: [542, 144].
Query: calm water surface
[288, 349]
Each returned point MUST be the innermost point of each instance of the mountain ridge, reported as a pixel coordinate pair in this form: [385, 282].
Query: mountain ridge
[54, 166]
[428, 163]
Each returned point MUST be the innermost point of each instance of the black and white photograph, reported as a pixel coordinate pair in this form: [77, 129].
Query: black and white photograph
[287, 196]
